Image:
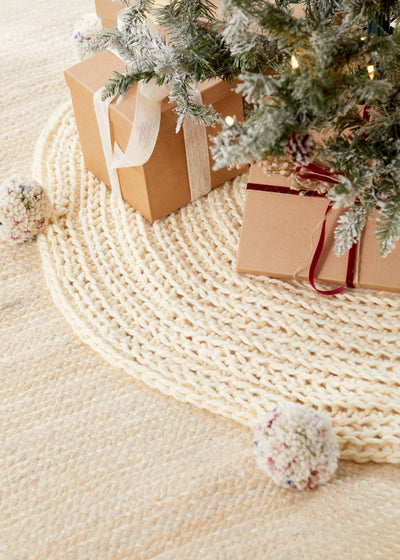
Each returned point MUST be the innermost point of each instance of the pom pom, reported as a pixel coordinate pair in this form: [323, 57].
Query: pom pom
[24, 209]
[83, 31]
[296, 446]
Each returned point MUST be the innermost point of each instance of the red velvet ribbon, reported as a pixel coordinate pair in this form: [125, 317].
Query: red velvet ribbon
[317, 173]
[352, 257]
[366, 115]
[317, 256]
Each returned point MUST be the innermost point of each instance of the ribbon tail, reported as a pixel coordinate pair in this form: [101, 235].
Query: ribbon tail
[101, 109]
[351, 266]
[144, 132]
[316, 258]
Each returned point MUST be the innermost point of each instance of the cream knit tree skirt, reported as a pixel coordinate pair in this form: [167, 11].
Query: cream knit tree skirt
[165, 303]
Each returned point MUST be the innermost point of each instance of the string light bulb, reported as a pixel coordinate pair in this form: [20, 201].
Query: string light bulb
[230, 121]
[363, 38]
[371, 71]
[294, 62]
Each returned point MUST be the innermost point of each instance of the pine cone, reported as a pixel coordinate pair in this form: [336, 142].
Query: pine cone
[301, 148]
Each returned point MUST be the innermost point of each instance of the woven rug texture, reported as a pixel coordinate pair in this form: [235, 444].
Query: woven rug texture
[94, 463]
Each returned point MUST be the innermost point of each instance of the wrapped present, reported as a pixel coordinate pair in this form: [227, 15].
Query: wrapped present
[131, 144]
[108, 10]
[289, 234]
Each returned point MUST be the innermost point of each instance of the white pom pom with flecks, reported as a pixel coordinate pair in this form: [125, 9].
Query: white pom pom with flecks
[24, 209]
[296, 446]
[84, 29]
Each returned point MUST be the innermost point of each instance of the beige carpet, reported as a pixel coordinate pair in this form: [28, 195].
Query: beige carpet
[95, 465]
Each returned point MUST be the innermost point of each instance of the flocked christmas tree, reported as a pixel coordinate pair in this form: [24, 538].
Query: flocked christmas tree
[333, 74]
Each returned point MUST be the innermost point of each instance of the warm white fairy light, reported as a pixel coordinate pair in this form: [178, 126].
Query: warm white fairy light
[363, 38]
[294, 62]
[230, 121]
[371, 71]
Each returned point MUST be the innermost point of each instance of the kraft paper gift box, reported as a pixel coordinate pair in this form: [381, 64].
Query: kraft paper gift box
[108, 11]
[281, 230]
[161, 185]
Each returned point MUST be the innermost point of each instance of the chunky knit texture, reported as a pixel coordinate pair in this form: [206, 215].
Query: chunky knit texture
[165, 303]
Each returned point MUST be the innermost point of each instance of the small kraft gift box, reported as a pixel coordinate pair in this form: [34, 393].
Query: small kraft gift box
[108, 10]
[289, 234]
[169, 169]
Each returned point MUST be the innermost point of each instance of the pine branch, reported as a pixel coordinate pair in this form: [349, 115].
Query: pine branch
[250, 48]
[192, 29]
[388, 228]
[182, 94]
[100, 41]
[349, 228]
[121, 83]
[137, 14]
